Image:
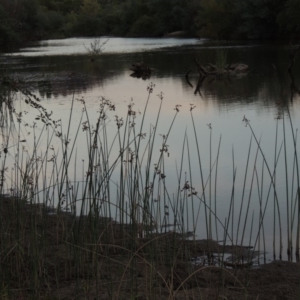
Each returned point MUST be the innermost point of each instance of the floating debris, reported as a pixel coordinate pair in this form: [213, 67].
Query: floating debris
[140, 70]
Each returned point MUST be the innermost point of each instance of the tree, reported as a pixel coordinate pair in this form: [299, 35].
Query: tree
[89, 18]
[288, 19]
[144, 26]
[90, 8]
[218, 19]
[259, 18]
[18, 20]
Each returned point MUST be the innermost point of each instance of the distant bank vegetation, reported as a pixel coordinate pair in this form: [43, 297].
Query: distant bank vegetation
[24, 20]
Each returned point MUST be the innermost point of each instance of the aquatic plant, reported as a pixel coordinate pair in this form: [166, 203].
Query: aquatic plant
[221, 58]
[115, 226]
[96, 47]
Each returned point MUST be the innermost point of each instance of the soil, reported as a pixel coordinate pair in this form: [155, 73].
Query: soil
[46, 254]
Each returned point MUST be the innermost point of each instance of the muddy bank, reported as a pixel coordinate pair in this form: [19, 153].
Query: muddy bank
[45, 253]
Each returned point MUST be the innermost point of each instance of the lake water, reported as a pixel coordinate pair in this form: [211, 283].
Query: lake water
[58, 71]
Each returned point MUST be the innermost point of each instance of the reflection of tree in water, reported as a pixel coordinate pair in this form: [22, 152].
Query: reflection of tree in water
[68, 83]
[65, 83]
[261, 85]
[293, 87]
[45, 88]
[69, 74]
[55, 76]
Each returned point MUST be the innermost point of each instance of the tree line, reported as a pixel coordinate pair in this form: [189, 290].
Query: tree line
[24, 20]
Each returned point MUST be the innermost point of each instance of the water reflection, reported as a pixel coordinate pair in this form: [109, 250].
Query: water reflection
[45, 88]
[265, 84]
[114, 45]
[221, 103]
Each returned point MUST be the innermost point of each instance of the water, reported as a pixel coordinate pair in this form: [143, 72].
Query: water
[116, 45]
[59, 70]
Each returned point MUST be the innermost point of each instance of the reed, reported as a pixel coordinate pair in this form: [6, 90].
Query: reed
[101, 224]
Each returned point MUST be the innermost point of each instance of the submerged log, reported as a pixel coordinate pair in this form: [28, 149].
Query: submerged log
[239, 68]
[141, 70]
[187, 77]
[213, 70]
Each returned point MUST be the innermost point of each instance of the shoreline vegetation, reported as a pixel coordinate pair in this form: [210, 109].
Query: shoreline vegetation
[46, 254]
[27, 20]
[64, 236]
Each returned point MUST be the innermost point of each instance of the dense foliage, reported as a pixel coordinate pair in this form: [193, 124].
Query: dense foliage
[23, 20]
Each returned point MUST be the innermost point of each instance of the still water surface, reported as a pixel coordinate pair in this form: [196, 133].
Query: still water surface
[59, 70]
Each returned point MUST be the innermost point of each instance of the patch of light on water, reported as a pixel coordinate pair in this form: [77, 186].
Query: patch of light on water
[114, 45]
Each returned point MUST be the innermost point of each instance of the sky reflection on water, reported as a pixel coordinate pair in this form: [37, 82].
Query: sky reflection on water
[56, 77]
